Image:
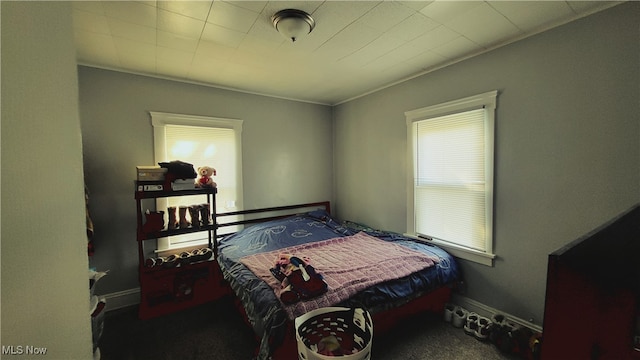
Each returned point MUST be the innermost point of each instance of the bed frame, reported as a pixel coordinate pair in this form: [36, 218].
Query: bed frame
[383, 321]
[266, 214]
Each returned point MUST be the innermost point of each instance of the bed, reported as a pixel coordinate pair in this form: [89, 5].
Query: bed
[409, 276]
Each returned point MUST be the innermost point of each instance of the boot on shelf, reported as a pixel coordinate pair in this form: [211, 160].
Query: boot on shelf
[194, 211]
[154, 223]
[182, 211]
[173, 218]
[205, 214]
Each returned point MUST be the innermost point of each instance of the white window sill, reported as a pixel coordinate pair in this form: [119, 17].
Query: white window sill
[458, 251]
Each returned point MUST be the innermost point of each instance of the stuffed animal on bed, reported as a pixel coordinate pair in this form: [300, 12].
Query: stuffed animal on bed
[300, 281]
[204, 179]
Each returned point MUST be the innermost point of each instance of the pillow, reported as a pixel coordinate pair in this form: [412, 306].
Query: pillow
[358, 226]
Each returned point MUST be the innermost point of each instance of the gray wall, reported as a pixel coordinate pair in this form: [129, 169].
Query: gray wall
[45, 287]
[286, 153]
[567, 147]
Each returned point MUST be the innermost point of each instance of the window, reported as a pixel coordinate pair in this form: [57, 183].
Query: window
[201, 141]
[450, 198]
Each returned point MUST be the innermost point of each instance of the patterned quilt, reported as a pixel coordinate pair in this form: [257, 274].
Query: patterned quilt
[265, 312]
[348, 264]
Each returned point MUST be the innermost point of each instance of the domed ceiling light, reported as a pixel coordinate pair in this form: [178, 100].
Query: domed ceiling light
[293, 24]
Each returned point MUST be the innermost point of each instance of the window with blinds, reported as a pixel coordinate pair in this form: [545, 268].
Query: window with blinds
[200, 141]
[451, 191]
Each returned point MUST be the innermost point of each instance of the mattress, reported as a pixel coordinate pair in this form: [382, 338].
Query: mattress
[264, 310]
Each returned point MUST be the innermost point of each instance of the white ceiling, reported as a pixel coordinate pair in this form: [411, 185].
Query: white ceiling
[356, 47]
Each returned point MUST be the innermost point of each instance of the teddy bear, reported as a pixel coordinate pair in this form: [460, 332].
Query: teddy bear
[204, 179]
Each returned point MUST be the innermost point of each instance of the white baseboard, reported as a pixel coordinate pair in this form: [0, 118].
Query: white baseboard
[131, 297]
[487, 311]
[121, 299]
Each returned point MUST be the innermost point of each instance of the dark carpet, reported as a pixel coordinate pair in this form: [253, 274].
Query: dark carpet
[217, 331]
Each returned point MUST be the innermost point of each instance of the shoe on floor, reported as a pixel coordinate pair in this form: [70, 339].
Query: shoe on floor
[459, 317]
[498, 319]
[471, 325]
[483, 329]
[448, 312]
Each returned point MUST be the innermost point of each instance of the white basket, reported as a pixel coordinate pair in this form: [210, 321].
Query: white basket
[352, 328]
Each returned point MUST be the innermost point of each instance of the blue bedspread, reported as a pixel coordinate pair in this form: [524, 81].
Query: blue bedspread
[263, 308]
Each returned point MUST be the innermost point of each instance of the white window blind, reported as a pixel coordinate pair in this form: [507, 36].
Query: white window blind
[450, 197]
[200, 141]
[450, 186]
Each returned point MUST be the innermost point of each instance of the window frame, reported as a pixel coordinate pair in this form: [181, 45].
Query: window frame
[159, 121]
[487, 101]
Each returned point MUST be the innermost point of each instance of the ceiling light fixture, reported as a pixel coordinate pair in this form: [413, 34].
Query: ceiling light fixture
[293, 24]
